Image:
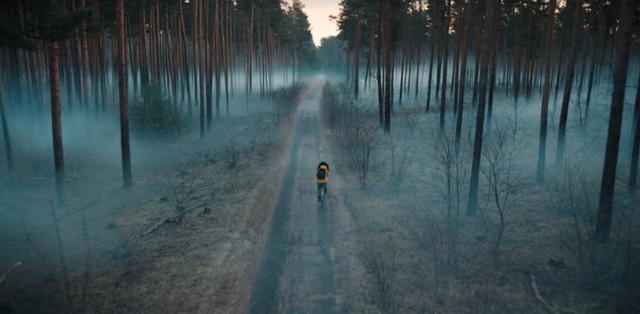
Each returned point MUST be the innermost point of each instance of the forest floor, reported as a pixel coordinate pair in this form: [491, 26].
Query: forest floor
[423, 254]
[253, 238]
[186, 237]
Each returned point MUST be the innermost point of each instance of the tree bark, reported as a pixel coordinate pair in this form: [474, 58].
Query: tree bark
[482, 93]
[633, 173]
[462, 78]
[122, 90]
[544, 111]
[599, 37]
[623, 41]
[5, 130]
[492, 73]
[568, 84]
[356, 56]
[85, 61]
[53, 49]
[388, 42]
[518, 57]
[433, 52]
[445, 63]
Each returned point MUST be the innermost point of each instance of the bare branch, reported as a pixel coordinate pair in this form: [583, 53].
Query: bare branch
[14, 266]
[537, 294]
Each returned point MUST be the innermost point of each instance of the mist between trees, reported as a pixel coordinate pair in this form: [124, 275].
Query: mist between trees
[186, 60]
[500, 82]
[471, 88]
[440, 54]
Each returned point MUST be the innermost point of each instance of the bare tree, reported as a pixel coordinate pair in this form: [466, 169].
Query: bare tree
[356, 144]
[380, 261]
[575, 195]
[399, 151]
[500, 171]
[449, 162]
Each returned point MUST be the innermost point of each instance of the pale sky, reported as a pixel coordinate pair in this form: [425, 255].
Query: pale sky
[318, 12]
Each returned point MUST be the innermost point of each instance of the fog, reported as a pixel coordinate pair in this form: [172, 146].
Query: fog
[189, 234]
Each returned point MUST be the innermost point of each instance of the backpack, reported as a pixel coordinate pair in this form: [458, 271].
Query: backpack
[322, 174]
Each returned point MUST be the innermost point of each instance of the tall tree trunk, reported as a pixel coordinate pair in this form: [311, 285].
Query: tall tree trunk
[445, 62]
[209, 56]
[433, 52]
[5, 130]
[633, 173]
[249, 62]
[122, 87]
[217, 52]
[388, 42]
[492, 73]
[544, 111]
[599, 38]
[418, 59]
[199, 21]
[560, 67]
[463, 78]
[477, 65]
[379, 67]
[356, 56]
[531, 58]
[455, 71]
[367, 74]
[183, 43]
[144, 77]
[623, 42]
[56, 118]
[482, 93]
[228, 52]
[518, 57]
[85, 61]
[564, 110]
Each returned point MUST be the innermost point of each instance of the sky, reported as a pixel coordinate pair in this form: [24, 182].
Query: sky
[318, 12]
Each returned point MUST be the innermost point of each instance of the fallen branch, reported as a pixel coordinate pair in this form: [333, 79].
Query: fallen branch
[9, 270]
[535, 290]
[175, 218]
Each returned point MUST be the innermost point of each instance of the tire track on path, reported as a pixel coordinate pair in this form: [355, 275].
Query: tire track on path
[296, 273]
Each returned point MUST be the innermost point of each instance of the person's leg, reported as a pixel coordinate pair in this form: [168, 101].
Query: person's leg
[319, 187]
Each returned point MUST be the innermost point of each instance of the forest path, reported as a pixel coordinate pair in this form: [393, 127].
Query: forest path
[299, 271]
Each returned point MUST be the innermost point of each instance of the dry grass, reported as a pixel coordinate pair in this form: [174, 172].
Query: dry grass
[403, 223]
[202, 263]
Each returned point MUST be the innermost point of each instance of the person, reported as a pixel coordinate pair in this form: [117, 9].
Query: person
[322, 177]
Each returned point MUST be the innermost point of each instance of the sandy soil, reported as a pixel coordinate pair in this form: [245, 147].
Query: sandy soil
[308, 265]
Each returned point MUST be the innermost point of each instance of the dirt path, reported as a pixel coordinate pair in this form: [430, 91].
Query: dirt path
[298, 271]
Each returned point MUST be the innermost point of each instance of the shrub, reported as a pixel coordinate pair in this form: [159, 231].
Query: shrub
[284, 101]
[154, 117]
